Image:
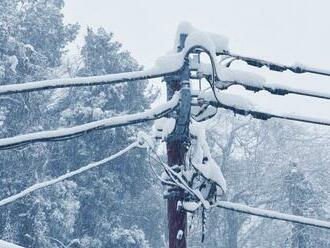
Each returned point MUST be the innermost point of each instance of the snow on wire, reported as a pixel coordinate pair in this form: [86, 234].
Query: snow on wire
[70, 132]
[44, 184]
[86, 81]
[254, 82]
[168, 64]
[263, 105]
[272, 214]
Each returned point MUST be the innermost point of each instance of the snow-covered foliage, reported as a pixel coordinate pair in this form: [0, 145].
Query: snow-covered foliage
[83, 211]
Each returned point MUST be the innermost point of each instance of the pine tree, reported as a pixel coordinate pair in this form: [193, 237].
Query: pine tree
[32, 38]
[304, 200]
[109, 195]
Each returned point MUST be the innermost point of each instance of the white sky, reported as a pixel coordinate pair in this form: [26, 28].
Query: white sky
[285, 31]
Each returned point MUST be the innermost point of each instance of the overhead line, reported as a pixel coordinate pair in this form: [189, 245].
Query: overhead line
[272, 214]
[83, 81]
[264, 116]
[276, 66]
[68, 175]
[71, 132]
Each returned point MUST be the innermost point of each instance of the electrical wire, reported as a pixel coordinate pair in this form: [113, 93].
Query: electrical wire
[68, 175]
[72, 132]
[275, 66]
[84, 81]
[272, 214]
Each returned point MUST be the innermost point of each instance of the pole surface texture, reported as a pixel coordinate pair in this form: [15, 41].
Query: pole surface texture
[176, 150]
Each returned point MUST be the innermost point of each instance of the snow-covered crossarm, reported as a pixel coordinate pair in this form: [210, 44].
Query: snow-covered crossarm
[272, 214]
[297, 68]
[66, 133]
[264, 105]
[44, 184]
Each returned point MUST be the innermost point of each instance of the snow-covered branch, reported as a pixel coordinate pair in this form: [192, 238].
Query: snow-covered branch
[272, 214]
[70, 132]
[41, 185]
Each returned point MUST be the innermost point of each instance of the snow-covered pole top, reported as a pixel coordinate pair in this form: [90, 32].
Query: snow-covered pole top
[220, 43]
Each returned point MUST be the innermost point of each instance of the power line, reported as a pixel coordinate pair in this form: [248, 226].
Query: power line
[272, 214]
[85, 81]
[42, 185]
[276, 66]
[244, 105]
[258, 85]
[71, 132]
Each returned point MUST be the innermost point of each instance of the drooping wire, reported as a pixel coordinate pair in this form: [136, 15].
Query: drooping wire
[72, 132]
[68, 175]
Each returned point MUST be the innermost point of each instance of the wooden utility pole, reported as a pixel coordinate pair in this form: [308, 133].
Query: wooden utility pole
[177, 144]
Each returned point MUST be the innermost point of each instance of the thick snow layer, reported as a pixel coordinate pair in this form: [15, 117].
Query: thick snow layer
[191, 206]
[272, 214]
[200, 156]
[293, 107]
[41, 185]
[212, 171]
[226, 74]
[86, 81]
[218, 42]
[256, 81]
[163, 127]
[4, 244]
[151, 114]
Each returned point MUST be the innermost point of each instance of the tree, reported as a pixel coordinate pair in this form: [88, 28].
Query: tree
[33, 36]
[304, 200]
[108, 196]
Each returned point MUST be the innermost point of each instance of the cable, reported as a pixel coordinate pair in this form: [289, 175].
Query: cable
[155, 173]
[258, 114]
[72, 132]
[94, 80]
[272, 214]
[180, 182]
[274, 89]
[42, 185]
[276, 67]
[85, 81]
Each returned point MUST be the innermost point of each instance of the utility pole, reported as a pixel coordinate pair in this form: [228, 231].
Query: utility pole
[177, 144]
